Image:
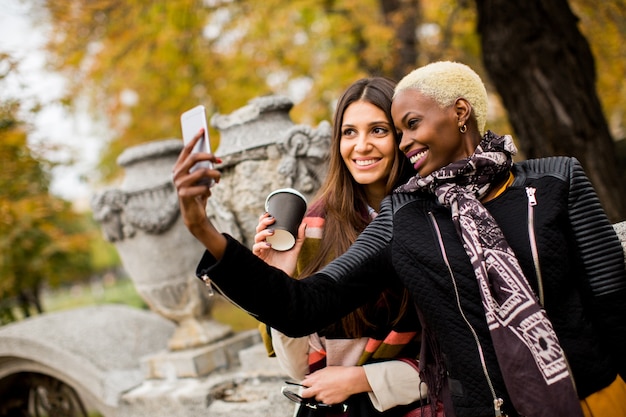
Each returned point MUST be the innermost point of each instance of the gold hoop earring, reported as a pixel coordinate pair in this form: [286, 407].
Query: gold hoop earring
[463, 128]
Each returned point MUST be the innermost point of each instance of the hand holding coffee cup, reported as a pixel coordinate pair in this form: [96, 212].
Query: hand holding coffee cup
[287, 206]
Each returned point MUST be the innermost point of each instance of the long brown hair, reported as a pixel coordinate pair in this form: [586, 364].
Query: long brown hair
[342, 201]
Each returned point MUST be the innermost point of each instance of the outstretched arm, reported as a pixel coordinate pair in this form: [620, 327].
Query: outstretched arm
[301, 307]
[295, 307]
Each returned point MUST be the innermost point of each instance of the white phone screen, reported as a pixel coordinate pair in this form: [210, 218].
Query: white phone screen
[191, 122]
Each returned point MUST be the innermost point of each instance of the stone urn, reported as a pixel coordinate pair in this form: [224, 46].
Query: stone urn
[142, 219]
[262, 149]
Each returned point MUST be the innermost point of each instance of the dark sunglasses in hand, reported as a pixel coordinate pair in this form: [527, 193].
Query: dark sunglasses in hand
[311, 402]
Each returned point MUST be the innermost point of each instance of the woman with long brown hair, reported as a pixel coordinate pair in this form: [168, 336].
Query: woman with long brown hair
[350, 360]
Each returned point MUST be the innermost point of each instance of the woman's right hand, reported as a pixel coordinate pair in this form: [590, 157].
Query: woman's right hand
[284, 260]
[192, 196]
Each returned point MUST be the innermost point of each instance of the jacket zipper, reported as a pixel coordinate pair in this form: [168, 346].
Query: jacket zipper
[532, 202]
[497, 402]
[210, 284]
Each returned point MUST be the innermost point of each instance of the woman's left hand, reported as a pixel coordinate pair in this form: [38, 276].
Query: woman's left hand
[334, 384]
[283, 260]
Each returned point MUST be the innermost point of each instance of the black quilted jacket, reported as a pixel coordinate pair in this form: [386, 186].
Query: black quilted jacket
[581, 262]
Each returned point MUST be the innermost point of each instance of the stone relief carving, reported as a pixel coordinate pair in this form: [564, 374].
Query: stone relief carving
[121, 213]
[262, 150]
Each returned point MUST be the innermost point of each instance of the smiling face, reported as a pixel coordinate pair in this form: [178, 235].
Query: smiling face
[367, 145]
[430, 134]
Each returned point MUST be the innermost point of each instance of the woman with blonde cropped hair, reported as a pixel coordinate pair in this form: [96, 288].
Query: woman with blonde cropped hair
[516, 272]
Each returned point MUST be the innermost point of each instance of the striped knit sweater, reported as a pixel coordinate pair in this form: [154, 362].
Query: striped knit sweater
[331, 346]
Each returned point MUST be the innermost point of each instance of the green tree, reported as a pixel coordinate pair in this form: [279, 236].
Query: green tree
[42, 240]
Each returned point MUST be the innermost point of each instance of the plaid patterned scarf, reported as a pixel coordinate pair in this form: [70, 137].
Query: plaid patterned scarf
[533, 364]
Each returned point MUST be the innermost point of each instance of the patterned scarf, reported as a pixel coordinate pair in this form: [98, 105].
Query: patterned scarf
[532, 362]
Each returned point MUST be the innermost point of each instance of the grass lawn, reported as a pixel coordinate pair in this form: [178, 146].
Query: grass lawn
[122, 291]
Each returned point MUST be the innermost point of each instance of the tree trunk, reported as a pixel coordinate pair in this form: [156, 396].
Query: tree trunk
[404, 17]
[24, 303]
[543, 69]
[36, 299]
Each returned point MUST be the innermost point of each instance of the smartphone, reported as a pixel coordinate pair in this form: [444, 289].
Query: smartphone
[191, 122]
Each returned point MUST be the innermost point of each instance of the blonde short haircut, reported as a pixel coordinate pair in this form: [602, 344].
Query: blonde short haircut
[447, 81]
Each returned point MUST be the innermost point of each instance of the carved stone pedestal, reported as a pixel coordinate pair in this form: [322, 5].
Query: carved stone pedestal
[143, 220]
[200, 361]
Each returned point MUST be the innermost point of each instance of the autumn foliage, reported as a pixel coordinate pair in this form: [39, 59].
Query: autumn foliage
[42, 240]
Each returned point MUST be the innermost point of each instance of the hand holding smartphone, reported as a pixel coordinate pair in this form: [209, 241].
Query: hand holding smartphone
[191, 122]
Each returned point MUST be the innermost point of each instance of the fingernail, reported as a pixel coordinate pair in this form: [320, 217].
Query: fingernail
[218, 160]
[270, 231]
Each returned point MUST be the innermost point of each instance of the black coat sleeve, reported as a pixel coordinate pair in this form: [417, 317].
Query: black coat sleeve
[602, 256]
[301, 307]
